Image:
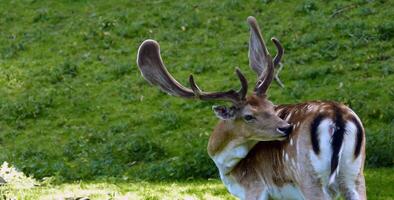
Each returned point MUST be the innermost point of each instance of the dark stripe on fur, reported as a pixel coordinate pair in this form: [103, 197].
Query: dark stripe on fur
[283, 113]
[359, 137]
[314, 135]
[337, 138]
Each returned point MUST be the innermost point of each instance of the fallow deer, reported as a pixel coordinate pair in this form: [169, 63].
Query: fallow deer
[311, 150]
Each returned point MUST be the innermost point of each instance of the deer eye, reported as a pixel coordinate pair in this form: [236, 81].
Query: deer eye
[249, 118]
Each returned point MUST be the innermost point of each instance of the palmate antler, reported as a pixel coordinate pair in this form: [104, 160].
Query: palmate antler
[153, 70]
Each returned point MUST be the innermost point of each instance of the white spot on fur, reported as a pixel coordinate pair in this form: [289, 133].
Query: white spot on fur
[310, 107]
[291, 142]
[293, 165]
[288, 117]
[292, 161]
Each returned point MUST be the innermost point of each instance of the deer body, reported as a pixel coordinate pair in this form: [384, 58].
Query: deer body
[290, 169]
[312, 150]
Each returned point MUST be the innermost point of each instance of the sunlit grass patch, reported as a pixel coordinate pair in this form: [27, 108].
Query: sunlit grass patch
[211, 189]
[378, 187]
[13, 178]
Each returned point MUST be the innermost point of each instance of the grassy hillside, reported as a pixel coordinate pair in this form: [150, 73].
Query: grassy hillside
[73, 104]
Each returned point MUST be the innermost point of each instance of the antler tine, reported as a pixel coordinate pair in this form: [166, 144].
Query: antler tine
[276, 77]
[196, 90]
[277, 64]
[280, 52]
[231, 95]
[244, 84]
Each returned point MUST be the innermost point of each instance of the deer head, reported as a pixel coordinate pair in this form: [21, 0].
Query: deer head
[252, 116]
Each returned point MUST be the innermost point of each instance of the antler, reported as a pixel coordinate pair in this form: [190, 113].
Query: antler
[154, 71]
[277, 59]
[259, 58]
[231, 95]
[258, 51]
[280, 52]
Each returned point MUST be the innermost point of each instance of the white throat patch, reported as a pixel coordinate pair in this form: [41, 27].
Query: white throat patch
[226, 160]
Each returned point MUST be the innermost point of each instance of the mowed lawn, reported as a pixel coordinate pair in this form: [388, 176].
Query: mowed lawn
[379, 186]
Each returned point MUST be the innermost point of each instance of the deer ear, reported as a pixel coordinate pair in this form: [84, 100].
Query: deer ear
[224, 113]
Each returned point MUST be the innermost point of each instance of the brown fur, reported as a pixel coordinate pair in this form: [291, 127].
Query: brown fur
[265, 162]
[221, 136]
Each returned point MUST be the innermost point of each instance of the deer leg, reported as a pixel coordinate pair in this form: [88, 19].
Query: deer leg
[312, 188]
[353, 189]
[360, 187]
[351, 179]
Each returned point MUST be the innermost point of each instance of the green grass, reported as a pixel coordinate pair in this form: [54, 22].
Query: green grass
[378, 187]
[74, 106]
[132, 190]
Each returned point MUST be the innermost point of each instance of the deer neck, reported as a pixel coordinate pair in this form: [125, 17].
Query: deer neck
[231, 154]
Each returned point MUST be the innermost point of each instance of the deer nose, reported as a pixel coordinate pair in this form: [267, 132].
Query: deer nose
[286, 129]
